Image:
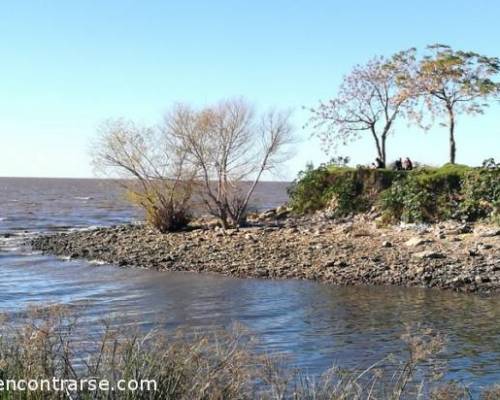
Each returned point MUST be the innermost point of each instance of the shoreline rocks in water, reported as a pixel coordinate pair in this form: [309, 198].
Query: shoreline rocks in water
[349, 252]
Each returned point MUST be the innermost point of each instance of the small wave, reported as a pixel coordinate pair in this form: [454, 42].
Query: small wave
[97, 262]
[84, 228]
[12, 243]
[83, 198]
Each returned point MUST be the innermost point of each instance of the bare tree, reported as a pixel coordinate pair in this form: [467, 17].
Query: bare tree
[231, 148]
[368, 101]
[154, 172]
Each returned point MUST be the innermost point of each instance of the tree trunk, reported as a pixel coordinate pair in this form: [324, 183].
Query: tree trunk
[384, 160]
[380, 149]
[452, 135]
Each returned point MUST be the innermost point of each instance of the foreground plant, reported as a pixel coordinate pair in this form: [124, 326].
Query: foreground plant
[52, 343]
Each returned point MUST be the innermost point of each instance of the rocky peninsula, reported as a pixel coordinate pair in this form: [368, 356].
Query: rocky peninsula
[349, 251]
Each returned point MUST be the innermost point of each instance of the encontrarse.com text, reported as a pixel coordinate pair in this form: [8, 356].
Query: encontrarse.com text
[73, 385]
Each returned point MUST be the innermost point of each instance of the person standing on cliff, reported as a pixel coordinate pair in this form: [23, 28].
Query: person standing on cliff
[379, 163]
[408, 165]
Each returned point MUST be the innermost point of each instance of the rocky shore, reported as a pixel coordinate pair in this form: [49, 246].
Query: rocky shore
[452, 256]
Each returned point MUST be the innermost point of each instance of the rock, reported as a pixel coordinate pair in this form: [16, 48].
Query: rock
[428, 254]
[267, 214]
[419, 271]
[464, 229]
[417, 241]
[308, 247]
[282, 212]
[458, 230]
[473, 252]
[169, 257]
[213, 223]
[486, 232]
[251, 237]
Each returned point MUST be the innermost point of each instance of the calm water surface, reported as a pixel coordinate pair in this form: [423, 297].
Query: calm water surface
[315, 324]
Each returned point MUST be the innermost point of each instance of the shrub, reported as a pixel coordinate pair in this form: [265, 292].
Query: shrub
[311, 190]
[154, 173]
[345, 190]
[167, 213]
[425, 194]
[481, 194]
[448, 178]
[406, 200]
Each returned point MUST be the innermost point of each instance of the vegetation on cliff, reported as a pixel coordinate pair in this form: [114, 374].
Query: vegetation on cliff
[426, 194]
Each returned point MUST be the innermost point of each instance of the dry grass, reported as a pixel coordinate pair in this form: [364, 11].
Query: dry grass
[52, 342]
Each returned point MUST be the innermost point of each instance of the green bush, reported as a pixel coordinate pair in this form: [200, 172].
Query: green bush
[406, 200]
[350, 190]
[423, 195]
[311, 190]
[447, 178]
[481, 194]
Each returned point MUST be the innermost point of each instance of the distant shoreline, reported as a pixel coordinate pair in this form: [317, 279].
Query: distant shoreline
[109, 179]
[450, 256]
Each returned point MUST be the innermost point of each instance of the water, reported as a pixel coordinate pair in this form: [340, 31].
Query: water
[316, 325]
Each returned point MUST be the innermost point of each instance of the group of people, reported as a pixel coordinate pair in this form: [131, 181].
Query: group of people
[399, 165]
[406, 165]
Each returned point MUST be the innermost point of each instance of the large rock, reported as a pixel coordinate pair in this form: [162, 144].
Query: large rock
[417, 241]
[486, 232]
[283, 212]
[428, 254]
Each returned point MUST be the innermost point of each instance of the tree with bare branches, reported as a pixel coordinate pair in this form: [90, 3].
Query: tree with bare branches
[368, 101]
[231, 148]
[154, 172]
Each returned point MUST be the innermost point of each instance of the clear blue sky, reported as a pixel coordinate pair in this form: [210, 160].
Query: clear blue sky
[67, 65]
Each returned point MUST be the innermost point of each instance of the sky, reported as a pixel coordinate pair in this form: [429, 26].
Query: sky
[66, 66]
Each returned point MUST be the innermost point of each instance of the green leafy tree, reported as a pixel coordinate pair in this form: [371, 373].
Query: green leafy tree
[453, 82]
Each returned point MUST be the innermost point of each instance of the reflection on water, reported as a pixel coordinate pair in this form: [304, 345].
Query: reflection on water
[315, 324]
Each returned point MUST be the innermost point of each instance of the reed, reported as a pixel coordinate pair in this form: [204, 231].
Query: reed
[54, 342]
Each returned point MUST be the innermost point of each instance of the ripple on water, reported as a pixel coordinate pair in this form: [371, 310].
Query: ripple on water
[315, 324]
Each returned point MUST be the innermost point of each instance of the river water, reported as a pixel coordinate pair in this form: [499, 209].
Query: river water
[315, 325]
